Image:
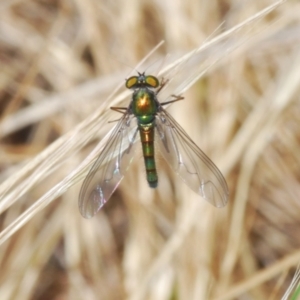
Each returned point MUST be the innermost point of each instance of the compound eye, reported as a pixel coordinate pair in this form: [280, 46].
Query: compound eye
[131, 82]
[152, 81]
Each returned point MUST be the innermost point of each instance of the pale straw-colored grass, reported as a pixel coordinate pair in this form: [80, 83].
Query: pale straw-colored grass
[63, 66]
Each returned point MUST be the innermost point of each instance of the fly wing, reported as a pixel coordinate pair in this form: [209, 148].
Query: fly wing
[189, 162]
[108, 170]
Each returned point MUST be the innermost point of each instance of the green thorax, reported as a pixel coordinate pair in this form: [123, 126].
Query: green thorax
[144, 105]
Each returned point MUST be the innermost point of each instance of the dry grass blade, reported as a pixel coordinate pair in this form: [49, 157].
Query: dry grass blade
[293, 286]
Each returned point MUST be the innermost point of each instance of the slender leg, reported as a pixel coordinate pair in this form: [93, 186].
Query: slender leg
[162, 84]
[176, 98]
[119, 109]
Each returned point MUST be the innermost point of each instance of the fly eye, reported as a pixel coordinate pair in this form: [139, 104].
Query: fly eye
[152, 81]
[131, 82]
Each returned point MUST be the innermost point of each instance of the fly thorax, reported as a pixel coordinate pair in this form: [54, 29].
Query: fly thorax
[144, 105]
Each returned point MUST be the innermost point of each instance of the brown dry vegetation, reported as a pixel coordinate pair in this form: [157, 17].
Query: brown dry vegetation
[60, 63]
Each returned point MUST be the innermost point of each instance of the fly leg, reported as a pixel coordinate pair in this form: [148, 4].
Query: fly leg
[121, 110]
[175, 99]
[162, 84]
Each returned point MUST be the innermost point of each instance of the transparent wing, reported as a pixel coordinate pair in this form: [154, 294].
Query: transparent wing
[108, 170]
[189, 162]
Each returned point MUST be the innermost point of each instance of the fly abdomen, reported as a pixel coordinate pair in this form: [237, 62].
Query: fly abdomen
[147, 139]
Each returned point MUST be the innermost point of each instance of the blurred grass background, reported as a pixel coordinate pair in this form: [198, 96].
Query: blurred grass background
[60, 60]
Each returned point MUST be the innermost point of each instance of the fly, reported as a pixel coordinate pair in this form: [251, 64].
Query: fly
[145, 117]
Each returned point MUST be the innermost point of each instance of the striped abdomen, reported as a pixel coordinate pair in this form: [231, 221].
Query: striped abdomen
[147, 139]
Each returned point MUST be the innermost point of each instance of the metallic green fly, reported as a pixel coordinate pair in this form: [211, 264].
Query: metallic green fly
[148, 117]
